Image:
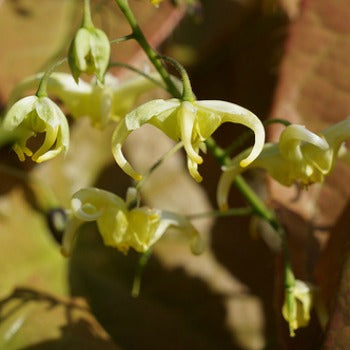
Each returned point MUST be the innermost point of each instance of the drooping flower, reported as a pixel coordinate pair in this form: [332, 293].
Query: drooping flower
[90, 49]
[190, 122]
[101, 103]
[301, 156]
[297, 305]
[121, 227]
[32, 115]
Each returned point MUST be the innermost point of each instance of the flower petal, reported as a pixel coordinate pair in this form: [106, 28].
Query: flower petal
[17, 113]
[119, 136]
[113, 225]
[337, 134]
[182, 223]
[89, 203]
[292, 137]
[233, 113]
[224, 186]
[143, 226]
[144, 113]
[193, 169]
[47, 112]
[186, 115]
[69, 236]
[42, 153]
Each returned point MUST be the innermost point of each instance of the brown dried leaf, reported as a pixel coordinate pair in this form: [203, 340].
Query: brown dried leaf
[334, 277]
[313, 90]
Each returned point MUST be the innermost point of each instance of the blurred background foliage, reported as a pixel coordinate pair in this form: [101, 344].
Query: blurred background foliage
[286, 59]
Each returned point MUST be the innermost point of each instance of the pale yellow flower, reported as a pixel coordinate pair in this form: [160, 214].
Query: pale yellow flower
[190, 122]
[121, 227]
[297, 306]
[301, 156]
[101, 103]
[33, 115]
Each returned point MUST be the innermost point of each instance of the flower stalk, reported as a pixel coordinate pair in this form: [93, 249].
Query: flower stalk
[149, 51]
[42, 88]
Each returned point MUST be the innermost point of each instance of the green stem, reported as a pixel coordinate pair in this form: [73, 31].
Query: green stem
[260, 209]
[276, 121]
[187, 93]
[42, 89]
[139, 271]
[121, 39]
[87, 20]
[149, 51]
[251, 197]
[256, 203]
[219, 213]
[138, 71]
[217, 152]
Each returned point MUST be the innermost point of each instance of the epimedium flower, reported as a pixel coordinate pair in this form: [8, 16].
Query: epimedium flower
[101, 103]
[300, 156]
[190, 121]
[32, 115]
[297, 305]
[90, 49]
[123, 228]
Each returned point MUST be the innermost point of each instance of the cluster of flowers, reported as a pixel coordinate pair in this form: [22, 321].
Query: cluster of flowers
[105, 100]
[299, 156]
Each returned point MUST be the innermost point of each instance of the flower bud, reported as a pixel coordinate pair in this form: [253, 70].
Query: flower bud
[89, 53]
[32, 115]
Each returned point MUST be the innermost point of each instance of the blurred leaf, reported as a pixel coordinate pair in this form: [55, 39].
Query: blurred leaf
[29, 256]
[334, 277]
[32, 36]
[291, 7]
[31, 319]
